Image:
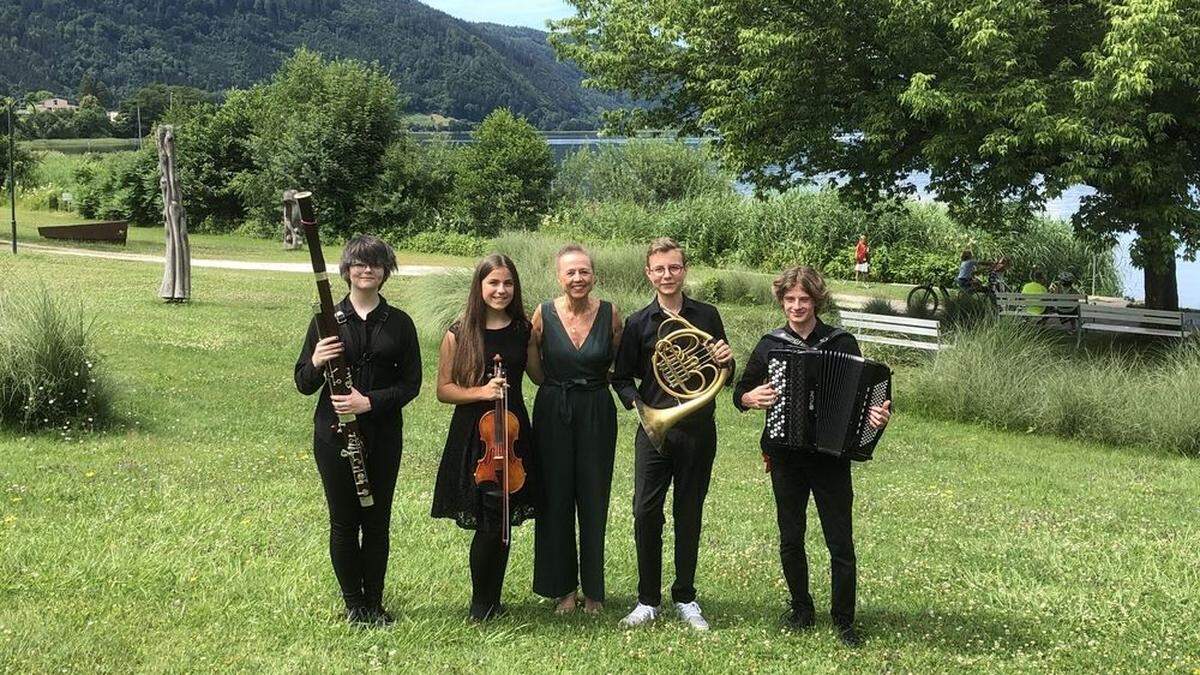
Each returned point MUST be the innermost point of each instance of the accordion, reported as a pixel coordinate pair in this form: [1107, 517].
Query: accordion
[823, 401]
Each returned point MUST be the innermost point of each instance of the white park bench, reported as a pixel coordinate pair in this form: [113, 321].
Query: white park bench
[902, 331]
[1157, 322]
[1061, 306]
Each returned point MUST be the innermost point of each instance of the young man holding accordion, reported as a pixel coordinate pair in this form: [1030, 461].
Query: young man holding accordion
[795, 472]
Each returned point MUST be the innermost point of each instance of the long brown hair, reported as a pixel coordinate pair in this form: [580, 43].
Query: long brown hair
[468, 367]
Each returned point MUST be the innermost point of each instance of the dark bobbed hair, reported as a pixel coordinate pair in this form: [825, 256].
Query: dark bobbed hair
[468, 367]
[809, 279]
[371, 250]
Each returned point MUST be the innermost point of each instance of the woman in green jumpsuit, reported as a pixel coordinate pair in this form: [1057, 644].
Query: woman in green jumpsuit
[575, 433]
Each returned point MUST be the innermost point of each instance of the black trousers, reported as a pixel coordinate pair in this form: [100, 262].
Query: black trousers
[793, 477]
[686, 460]
[358, 536]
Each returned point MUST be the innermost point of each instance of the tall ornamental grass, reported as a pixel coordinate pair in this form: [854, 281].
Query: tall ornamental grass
[916, 243]
[747, 306]
[1016, 376]
[49, 377]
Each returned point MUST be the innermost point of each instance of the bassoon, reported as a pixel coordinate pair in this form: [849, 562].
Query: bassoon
[337, 371]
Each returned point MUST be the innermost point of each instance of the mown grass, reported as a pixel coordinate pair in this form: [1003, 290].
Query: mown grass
[193, 536]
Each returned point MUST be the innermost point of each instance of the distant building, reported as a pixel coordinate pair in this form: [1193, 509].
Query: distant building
[113, 115]
[54, 104]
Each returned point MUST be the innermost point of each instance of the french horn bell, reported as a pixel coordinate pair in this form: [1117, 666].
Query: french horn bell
[684, 366]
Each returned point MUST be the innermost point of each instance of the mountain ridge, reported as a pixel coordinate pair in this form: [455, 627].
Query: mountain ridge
[442, 64]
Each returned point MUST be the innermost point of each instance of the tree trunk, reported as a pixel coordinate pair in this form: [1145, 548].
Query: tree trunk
[177, 275]
[1162, 287]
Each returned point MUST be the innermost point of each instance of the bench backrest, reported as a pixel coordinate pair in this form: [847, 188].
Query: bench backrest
[1037, 304]
[1132, 320]
[902, 331]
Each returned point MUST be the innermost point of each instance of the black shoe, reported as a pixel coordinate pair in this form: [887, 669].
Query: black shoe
[849, 636]
[379, 616]
[798, 619]
[358, 615]
[480, 613]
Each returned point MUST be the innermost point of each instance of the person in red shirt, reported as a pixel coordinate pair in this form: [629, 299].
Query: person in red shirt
[862, 253]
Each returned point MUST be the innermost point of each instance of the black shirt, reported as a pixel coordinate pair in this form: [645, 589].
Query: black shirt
[385, 366]
[637, 345]
[756, 369]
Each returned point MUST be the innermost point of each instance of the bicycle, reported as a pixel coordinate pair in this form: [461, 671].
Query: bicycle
[925, 299]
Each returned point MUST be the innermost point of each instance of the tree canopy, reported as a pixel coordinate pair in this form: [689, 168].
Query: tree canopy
[1004, 103]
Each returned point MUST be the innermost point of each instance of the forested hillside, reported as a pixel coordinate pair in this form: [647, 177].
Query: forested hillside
[443, 64]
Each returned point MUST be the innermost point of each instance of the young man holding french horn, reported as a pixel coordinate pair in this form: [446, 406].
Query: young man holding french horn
[675, 347]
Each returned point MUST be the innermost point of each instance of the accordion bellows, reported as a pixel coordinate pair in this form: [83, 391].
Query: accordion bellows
[823, 401]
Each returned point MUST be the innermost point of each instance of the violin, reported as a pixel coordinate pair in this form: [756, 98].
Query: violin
[499, 466]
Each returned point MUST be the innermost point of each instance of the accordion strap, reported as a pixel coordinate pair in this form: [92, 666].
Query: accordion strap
[783, 336]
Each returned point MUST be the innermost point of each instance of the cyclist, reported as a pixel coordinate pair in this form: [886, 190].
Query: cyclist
[967, 283]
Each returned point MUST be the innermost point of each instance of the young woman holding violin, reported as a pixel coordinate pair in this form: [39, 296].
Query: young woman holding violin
[485, 441]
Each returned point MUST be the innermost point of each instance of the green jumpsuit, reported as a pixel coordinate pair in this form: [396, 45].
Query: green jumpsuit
[575, 436]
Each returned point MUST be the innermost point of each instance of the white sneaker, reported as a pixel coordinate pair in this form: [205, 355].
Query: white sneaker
[640, 615]
[690, 612]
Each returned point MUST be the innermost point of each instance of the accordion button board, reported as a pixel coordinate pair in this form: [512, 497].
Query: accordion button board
[823, 401]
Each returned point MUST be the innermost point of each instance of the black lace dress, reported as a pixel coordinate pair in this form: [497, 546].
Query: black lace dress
[455, 495]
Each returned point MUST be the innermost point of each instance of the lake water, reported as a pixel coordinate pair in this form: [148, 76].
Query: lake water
[1188, 273]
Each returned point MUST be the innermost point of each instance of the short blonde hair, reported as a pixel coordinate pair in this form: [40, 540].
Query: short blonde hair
[807, 278]
[665, 245]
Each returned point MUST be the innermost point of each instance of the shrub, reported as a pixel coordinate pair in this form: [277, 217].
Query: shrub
[879, 306]
[25, 165]
[49, 373]
[449, 243]
[641, 171]
[211, 151]
[915, 243]
[120, 186]
[415, 191]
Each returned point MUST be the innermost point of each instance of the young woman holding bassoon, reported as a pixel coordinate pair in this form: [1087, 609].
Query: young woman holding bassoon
[379, 344]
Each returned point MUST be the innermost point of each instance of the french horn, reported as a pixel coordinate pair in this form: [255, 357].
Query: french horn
[684, 366]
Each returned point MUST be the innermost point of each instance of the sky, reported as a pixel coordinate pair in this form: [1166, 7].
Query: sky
[531, 13]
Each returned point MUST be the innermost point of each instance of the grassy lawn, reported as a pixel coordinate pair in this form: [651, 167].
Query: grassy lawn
[149, 241]
[193, 537]
[82, 145]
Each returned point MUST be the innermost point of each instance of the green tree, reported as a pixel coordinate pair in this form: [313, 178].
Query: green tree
[212, 149]
[152, 102]
[1003, 102]
[506, 174]
[318, 125]
[24, 162]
